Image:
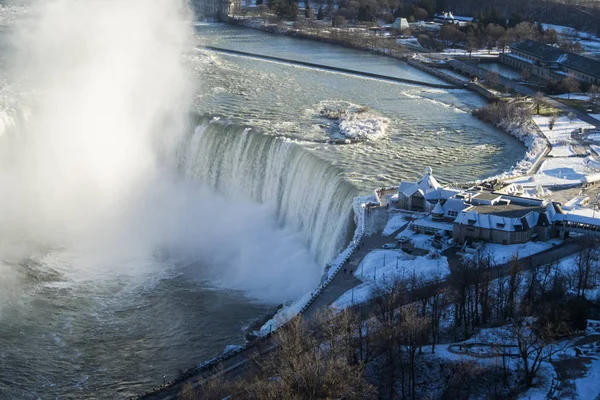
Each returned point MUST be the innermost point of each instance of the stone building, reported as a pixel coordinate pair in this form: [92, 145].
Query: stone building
[505, 223]
[551, 63]
[476, 214]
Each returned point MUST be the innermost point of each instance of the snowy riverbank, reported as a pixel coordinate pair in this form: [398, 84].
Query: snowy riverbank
[299, 306]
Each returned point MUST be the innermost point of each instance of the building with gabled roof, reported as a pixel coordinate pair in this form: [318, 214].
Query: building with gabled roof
[424, 194]
[505, 223]
[480, 214]
[551, 63]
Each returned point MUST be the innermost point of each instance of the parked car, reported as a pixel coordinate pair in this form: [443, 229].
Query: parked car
[389, 246]
[402, 239]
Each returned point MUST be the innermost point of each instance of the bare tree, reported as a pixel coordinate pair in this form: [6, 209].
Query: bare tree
[470, 43]
[513, 285]
[594, 93]
[187, 392]
[569, 85]
[492, 77]
[551, 122]
[303, 367]
[536, 343]
[463, 374]
[586, 261]
[412, 327]
[389, 298]
[538, 101]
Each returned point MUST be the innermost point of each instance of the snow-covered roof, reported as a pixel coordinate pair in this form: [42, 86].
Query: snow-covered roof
[429, 223]
[407, 188]
[454, 204]
[505, 218]
[581, 216]
[438, 209]
[441, 194]
[426, 185]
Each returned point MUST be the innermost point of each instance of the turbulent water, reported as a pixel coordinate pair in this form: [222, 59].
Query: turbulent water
[241, 212]
[426, 126]
[307, 194]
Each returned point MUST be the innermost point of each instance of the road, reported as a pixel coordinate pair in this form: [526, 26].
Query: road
[523, 90]
[237, 364]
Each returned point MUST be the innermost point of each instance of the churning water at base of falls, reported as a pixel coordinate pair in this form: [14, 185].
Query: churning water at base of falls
[268, 204]
[306, 193]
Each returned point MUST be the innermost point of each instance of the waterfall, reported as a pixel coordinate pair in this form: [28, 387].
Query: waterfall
[307, 193]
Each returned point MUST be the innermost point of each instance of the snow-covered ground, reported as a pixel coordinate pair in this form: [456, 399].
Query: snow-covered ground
[504, 253]
[557, 172]
[589, 41]
[594, 137]
[418, 240]
[478, 53]
[381, 267]
[588, 387]
[595, 116]
[567, 31]
[561, 170]
[410, 42]
[573, 96]
[395, 222]
[560, 134]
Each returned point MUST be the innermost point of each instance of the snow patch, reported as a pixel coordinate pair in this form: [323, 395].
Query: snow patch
[382, 267]
[353, 121]
[504, 253]
[394, 223]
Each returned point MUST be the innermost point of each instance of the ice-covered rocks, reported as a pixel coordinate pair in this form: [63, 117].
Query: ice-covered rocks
[352, 121]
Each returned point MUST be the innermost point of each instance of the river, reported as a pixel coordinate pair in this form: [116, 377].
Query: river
[255, 191]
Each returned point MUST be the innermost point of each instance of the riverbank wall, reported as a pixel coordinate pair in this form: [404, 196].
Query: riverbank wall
[436, 72]
[340, 37]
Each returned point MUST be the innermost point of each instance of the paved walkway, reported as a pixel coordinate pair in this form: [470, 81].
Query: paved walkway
[525, 91]
[342, 282]
[238, 363]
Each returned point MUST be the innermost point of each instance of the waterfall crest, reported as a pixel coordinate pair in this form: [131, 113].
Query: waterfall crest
[307, 193]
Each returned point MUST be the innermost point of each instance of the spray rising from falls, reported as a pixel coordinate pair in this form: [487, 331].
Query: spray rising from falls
[306, 193]
[107, 92]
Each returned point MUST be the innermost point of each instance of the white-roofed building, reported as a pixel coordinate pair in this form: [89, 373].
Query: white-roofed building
[424, 194]
[582, 221]
[497, 216]
[505, 223]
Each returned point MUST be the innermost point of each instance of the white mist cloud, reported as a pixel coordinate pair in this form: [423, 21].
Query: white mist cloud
[100, 75]
[99, 78]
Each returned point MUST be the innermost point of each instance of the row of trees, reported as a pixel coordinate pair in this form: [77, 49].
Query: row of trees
[490, 35]
[582, 14]
[344, 355]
